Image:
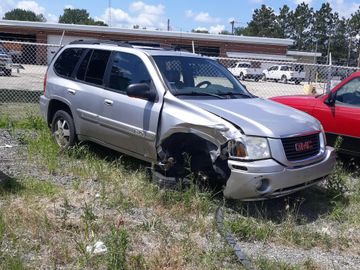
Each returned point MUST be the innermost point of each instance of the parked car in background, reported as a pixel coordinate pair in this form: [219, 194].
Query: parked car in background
[284, 73]
[338, 111]
[179, 110]
[5, 62]
[243, 70]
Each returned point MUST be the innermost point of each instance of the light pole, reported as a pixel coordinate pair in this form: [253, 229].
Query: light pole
[358, 45]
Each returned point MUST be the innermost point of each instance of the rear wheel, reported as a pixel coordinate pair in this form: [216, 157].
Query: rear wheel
[63, 129]
[283, 79]
[297, 82]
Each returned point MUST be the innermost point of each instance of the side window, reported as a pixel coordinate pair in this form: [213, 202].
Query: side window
[96, 67]
[127, 69]
[66, 62]
[284, 68]
[83, 66]
[349, 93]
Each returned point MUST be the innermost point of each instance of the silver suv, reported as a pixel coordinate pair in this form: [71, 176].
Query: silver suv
[164, 106]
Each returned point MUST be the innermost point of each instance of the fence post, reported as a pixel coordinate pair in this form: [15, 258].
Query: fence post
[329, 75]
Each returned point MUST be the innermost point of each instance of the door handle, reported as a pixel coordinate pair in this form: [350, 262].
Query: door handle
[71, 91]
[108, 102]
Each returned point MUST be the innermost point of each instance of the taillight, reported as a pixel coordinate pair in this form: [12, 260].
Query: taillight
[45, 79]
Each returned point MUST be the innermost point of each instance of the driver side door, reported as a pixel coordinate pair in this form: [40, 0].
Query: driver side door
[343, 117]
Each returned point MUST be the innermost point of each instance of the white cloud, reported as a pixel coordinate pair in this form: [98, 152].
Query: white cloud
[5, 6]
[69, 6]
[32, 6]
[298, 2]
[203, 17]
[256, 1]
[344, 8]
[141, 14]
[217, 29]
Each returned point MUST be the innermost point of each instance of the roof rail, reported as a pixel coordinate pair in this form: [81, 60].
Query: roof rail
[149, 45]
[100, 41]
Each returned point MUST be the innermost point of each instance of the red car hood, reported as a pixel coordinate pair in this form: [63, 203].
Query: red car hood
[303, 103]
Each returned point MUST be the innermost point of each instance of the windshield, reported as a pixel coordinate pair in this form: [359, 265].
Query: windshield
[199, 77]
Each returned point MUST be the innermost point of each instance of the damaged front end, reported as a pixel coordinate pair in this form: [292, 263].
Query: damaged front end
[193, 141]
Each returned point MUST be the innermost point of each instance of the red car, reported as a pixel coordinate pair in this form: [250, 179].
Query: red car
[338, 111]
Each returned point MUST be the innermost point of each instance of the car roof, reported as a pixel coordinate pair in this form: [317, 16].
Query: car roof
[150, 48]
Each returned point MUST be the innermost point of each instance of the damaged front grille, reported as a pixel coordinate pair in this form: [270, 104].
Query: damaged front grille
[301, 147]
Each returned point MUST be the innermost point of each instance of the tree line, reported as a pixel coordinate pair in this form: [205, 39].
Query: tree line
[70, 16]
[321, 30]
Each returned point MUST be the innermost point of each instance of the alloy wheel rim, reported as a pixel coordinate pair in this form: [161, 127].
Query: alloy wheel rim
[62, 132]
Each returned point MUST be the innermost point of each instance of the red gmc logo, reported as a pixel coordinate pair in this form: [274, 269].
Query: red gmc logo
[303, 146]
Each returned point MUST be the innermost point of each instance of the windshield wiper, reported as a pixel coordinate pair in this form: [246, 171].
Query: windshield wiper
[234, 94]
[199, 93]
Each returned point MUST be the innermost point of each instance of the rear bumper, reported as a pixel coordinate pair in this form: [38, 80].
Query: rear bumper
[268, 179]
[44, 105]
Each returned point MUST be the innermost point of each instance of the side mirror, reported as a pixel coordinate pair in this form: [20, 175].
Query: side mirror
[141, 90]
[330, 100]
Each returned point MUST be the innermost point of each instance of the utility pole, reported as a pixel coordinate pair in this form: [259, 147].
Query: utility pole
[232, 26]
[233, 22]
[109, 13]
[168, 24]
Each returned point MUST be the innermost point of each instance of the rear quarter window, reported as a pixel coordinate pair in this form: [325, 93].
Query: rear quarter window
[66, 62]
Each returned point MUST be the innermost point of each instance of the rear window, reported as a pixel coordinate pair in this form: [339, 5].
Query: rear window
[66, 62]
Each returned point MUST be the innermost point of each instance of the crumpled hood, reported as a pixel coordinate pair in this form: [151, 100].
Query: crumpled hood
[260, 117]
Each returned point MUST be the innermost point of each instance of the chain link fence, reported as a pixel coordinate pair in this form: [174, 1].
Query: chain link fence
[22, 69]
[23, 66]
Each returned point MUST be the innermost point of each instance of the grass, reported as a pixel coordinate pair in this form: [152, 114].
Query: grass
[90, 194]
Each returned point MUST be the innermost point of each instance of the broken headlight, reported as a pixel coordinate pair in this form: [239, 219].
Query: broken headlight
[249, 148]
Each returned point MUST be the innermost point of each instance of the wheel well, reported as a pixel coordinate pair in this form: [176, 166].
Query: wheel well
[54, 106]
[199, 150]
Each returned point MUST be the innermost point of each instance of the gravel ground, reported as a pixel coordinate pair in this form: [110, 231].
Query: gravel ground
[14, 162]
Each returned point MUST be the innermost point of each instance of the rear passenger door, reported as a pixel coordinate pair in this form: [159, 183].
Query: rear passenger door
[129, 123]
[88, 92]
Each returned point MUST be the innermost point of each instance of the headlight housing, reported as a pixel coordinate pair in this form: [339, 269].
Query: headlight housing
[249, 148]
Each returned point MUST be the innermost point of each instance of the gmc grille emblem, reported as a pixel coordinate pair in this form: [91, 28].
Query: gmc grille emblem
[303, 146]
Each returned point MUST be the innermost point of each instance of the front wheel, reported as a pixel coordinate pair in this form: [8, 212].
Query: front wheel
[63, 129]
[283, 79]
[263, 77]
[297, 82]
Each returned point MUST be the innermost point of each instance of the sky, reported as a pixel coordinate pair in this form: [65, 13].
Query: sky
[185, 15]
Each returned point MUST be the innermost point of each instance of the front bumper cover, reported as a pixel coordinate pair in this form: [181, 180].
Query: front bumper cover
[246, 178]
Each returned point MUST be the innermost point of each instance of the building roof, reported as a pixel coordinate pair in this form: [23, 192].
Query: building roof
[142, 32]
[306, 54]
[260, 56]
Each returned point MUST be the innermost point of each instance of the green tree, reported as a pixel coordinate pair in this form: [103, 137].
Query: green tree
[301, 20]
[264, 23]
[200, 31]
[284, 20]
[78, 16]
[324, 28]
[19, 14]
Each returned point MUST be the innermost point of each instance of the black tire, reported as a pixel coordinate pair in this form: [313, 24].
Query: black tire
[283, 79]
[263, 78]
[7, 72]
[297, 82]
[63, 129]
[256, 79]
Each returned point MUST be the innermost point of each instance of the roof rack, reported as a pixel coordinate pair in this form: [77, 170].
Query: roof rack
[100, 41]
[149, 45]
